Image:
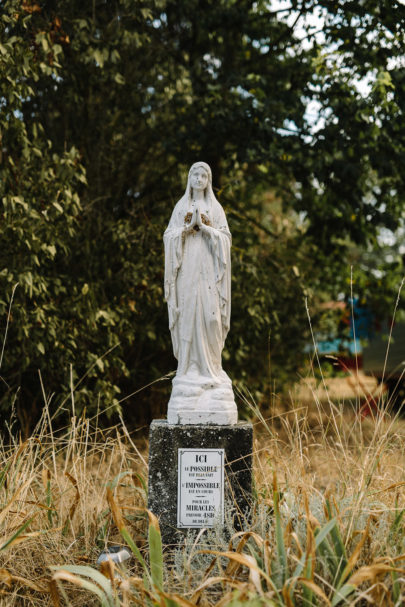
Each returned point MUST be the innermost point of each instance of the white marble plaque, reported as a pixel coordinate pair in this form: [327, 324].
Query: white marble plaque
[200, 499]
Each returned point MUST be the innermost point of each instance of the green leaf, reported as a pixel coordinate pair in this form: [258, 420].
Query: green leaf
[99, 57]
[58, 206]
[101, 587]
[119, 78]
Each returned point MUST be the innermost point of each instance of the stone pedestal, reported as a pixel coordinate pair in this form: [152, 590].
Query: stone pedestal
[165, 440]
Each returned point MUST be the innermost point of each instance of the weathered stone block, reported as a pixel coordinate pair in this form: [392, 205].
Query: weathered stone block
[164, 442]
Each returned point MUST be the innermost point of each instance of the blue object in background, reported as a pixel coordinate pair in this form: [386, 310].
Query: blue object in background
[363, 320]
[337, 345]
[359, 321]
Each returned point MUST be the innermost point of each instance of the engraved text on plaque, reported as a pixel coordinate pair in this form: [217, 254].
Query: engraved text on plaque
[200, 501]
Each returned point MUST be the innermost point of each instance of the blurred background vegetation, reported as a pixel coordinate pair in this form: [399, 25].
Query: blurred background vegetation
[297, 105]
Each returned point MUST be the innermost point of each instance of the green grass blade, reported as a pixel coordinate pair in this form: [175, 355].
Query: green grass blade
[300, 566]
[307, 593]
[395, 525]
[321, 534]
[142, 481]
[15, 535]
[146, 581]
[340, 557]
[396, 587]
[130, 542]
[328, 555]
[342, 593]
[105, 596]
[113, 484]
[119, 521]
[155, 551]
[308, 599]
[90, 572]
[281, 551]
[324, 547]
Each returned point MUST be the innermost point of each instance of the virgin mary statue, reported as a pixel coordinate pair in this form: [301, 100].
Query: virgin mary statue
[198, 294]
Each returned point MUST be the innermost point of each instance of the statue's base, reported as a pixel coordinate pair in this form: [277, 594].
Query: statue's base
[189, 413]
[165, 440]
[198, 400]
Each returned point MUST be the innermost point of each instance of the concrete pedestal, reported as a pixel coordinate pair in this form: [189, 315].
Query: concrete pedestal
[164, 443]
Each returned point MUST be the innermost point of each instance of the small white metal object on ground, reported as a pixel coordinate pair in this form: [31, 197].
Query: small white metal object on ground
[117, 554]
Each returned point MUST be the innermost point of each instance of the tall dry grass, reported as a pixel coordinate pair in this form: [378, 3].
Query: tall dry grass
[57, 484]
[327, 522]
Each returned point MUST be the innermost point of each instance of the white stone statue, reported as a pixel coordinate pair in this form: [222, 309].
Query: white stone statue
[198, 294]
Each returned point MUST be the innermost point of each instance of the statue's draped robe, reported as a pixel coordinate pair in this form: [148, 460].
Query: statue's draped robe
[198, 289]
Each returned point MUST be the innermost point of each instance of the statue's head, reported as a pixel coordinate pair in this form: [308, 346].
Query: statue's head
[199, 179]
[199, 176]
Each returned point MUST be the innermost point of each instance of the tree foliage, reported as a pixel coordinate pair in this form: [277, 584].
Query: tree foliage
[104, 105]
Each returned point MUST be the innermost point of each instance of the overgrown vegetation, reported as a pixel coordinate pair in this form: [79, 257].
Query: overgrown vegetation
[104, 105]
[326, 529]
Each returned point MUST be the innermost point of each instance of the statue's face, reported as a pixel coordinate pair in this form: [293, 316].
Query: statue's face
[199, 179]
